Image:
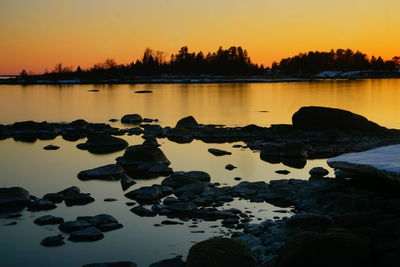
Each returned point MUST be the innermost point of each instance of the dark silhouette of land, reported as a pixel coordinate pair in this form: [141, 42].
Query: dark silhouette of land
[232, 62]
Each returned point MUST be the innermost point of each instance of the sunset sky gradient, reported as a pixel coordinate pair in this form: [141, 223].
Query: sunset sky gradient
[37, 34]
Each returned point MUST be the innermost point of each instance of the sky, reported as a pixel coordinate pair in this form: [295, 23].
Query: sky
[37, 34]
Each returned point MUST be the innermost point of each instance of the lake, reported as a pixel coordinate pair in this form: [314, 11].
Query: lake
[40, 171]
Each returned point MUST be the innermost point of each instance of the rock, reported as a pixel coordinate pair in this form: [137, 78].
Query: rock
[197, 188]
[86, 234]
[53, 241]
[180, 135]
[237, 178]
[383, 162]
[155, 169]
[143, 92]
[48, 219]
[102, 219]
[169, 222]
[139, 154]
[146, 194]
[318, 172]
[151, 130]
[131, 118]
[182, 206]
[41, 204]
[324, 118]
[109, 172]
[112, 264]
[103, 143]
[71, 189]
[284, 172]
[294, 149]
[74, 199]
[13, 197]
[328, 249]
[110, 227]
[174, 262]
[51, 147]
[113, 120]
[142, 211]
[187, 122]
[220, 252]
[230, 167]
[54, 197]
[127, 182]
[219, 152]
[310, 221]
[72, 226]
[110, 199]
[179, 179]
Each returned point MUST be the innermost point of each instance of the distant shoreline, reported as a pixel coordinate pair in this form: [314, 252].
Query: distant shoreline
[191, 80]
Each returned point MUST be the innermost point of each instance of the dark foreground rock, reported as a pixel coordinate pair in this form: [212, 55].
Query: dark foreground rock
[131, 118]
[112, 264]
[220, 252]
[53, 241]
[140, 154]
[187, 122]
[14, 197]
[86, 234]
[109, 172]
[103, 143]
[51, 147]
[48, 219]
[174, 262]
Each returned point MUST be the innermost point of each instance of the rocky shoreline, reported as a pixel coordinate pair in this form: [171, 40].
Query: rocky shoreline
[350, 220]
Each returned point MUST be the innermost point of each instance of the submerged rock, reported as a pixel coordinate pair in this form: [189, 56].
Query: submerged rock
[331, 118]
[219, 152]
[220, 252]
[109, 172]
[53, 241]
[13, 197]
[103, 143]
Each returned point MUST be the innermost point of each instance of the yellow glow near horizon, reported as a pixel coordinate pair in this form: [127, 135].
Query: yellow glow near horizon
[38, 34]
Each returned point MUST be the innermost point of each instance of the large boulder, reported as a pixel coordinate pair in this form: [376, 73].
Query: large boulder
[140, 154]
[103, 143]
[187, 122]
[13, 197]
[220, 252]
[328, 249]
[322, 118]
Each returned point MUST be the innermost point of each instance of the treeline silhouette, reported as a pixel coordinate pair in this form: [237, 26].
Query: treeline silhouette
[339, 60]
[232, 61]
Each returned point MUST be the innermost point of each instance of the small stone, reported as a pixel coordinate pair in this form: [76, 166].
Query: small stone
[318, 172]
[51, 147]
[219, 152]
[110, 199]
[230, 167]
[168, 222]
[284, 172]
[143, 92]
[237, 178]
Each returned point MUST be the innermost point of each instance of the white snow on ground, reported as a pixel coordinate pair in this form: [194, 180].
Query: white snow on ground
[381, 161]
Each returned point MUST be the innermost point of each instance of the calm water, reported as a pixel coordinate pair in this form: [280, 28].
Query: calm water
[40, 171]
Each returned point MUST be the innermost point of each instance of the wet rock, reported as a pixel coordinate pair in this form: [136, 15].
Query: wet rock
[152, 141]
[220, 252]
[14, 197]
[48, 219]
[131, 118]
[41, 204]
[72, 226]
[180, 135]
[196, 188]
[169, 222]
[294, 149]
[142, 211]
[71, 189]
[86, 234]
[112, 264]
[146, 194]
[318, 172]
[284, 172]
[331, 118]
[143, 92]
[54, 197]
[76, 199]
[110, 227]
[327, 249]
[51, 147]
[155, 169]
[109, 172]
[187, 122]
[109, 199]
[182, 207]
[310, 221]
[179, 179]
[219, 152]
[153, 130]
[174, 262]
[102, 219]
[103, 143]
[139, 154]
[53, 241]
[127, 182]
[230, 167]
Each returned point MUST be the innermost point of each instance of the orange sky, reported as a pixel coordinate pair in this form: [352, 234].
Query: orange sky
[37, 34]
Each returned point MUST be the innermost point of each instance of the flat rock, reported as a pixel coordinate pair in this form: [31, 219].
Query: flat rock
[143, 92]
[53, 241]
[102, 219]
[72, 226]
[48, 219]
[284, 172]
[381, 162]
[108, 172]
[41, 204]
[219, 152]
[77, 199]
[51, 147]
[86, 234]
[103, 143]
